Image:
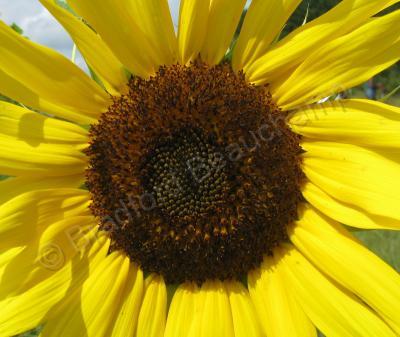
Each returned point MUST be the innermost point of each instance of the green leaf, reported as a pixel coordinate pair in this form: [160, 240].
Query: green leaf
[64, 4]
[17, 28]
[32, 333]
[390, 94]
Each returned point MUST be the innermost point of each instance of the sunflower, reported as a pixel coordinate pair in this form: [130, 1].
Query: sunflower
[183, 193]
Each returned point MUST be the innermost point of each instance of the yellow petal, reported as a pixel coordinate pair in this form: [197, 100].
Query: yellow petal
[207, 311]
[182, 311]
[258, 33]
[35, 129]
[153, 312]
[93, 310]
[128, 313]
[346, 213]
[357, 176]
[12, 187]
[213, 315]
[222, 22]
[245, 320]
[349, 263]
[116, 23]
[11, 87]
[43, 301]
[96, 53]
[23, 217]
[343, 63]
[355, 121]
[17, 157]
[298, 45]
[193, 17]
[154, 18]
[46, 253]
[334, 310]
[50, 75]
[278, 312]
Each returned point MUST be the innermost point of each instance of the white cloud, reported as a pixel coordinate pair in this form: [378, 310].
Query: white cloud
[37, 23]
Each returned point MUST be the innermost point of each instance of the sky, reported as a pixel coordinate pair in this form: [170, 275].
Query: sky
[41, 27]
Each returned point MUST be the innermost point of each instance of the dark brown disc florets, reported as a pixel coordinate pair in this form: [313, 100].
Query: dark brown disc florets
[187, 174]
[194, 173]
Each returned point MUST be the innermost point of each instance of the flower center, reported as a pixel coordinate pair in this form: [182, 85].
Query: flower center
[194, 173]
[187, 174]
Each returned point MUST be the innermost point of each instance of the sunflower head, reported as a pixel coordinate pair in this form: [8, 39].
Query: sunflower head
[194, 168]
[216, 191]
